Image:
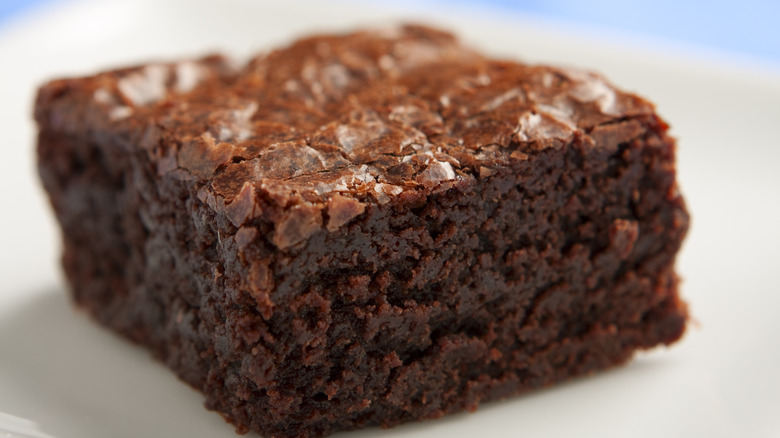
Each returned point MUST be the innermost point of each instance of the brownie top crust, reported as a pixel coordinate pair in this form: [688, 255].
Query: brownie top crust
[331, 124]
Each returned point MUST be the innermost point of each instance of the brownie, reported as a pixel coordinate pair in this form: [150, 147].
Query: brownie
[365, 229]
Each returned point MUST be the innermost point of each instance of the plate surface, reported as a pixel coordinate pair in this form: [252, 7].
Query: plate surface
[67, 378]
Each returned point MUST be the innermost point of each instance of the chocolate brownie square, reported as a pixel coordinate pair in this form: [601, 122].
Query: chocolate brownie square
[365, 229]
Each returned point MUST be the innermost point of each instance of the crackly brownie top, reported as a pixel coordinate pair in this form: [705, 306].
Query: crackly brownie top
[334, 122]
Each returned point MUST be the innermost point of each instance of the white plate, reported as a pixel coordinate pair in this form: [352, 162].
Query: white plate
[74, 380]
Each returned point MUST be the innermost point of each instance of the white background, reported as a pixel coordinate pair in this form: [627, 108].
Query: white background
[72, 379]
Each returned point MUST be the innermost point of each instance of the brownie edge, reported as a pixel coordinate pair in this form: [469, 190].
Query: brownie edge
[365, 229]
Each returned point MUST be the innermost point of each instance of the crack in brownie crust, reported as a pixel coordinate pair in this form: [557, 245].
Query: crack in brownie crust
[365, 229]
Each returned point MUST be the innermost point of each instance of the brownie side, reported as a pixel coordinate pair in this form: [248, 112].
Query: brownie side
[511, 268]
[386, 336]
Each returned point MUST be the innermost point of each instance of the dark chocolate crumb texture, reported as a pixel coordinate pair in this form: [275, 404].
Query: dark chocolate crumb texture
[365, 229]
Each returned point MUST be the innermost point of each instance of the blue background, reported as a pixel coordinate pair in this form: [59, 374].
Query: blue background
[746, 27]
